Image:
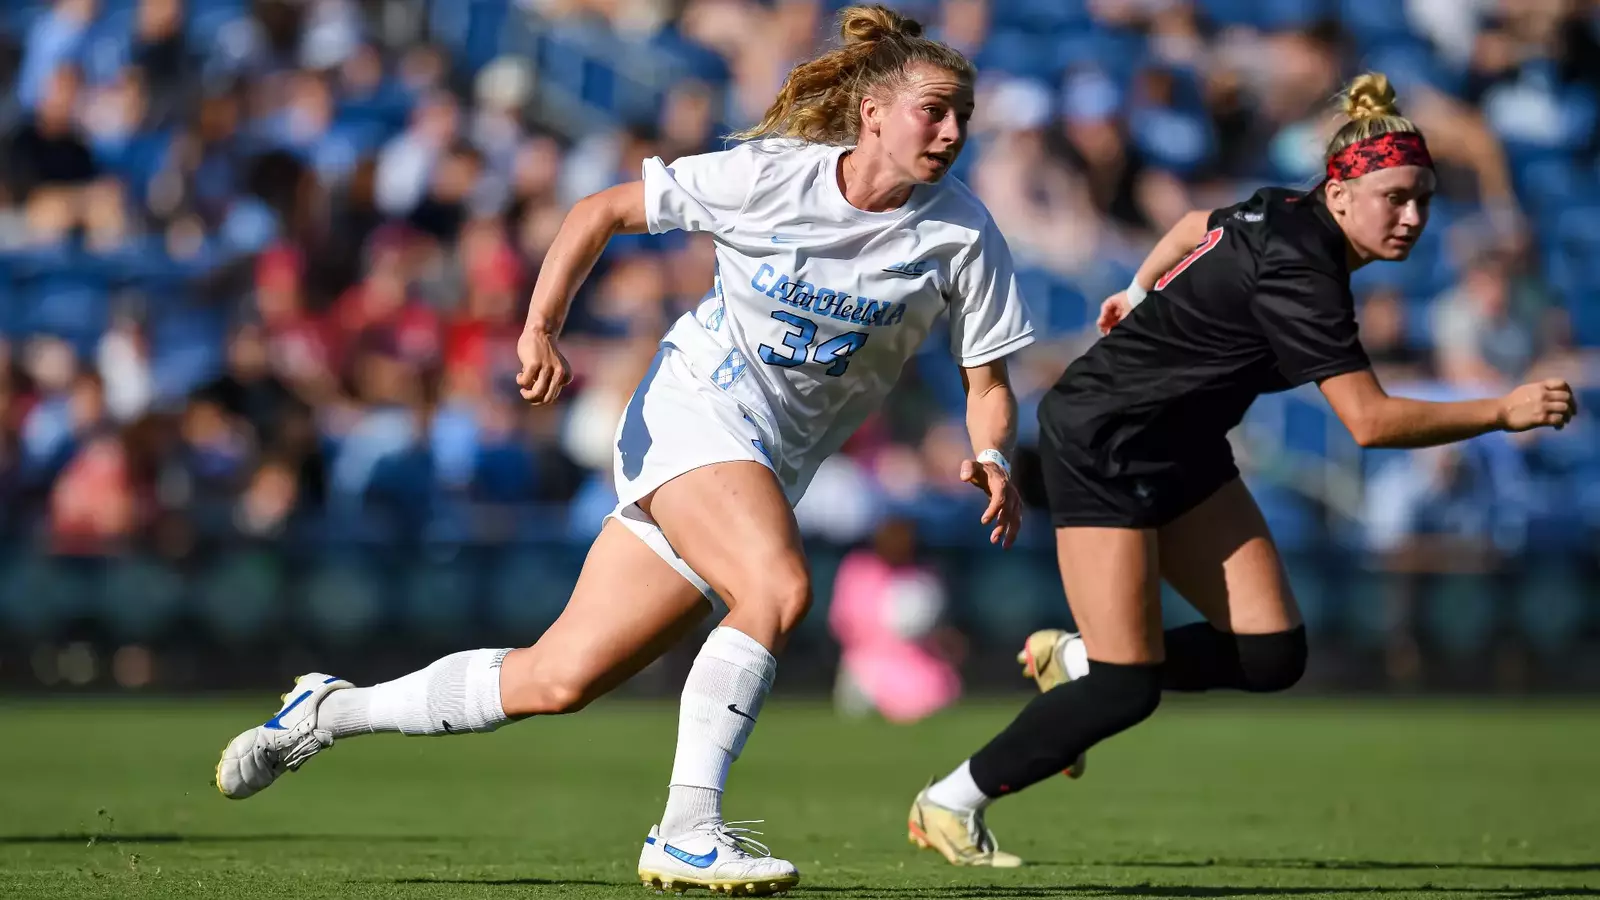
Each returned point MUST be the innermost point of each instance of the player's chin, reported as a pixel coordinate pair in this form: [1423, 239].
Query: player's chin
[1398, 249]
[931, 168]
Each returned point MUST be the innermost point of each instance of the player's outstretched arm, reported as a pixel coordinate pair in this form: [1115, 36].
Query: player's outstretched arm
[1376, 419]
[582, 238]
[1168, 252]
[992, 426]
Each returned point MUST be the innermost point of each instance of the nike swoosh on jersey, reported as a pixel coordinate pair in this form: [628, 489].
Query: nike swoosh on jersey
[702, 861]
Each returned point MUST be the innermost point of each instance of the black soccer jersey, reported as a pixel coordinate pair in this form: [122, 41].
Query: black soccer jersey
[1263, 304]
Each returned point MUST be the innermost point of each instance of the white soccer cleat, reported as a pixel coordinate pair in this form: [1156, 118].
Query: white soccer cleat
[717, 858]
[1043, 659]
[283, 743]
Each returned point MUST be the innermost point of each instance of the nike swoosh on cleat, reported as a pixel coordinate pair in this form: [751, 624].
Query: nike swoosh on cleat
[447, 727]
[703, 861]
[739, 712]
[276, 722]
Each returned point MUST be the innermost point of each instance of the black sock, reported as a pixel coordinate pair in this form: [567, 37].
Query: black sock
[1202, 658]
[1059, 724]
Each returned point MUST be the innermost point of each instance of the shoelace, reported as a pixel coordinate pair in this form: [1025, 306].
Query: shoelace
[979, 833]
[293, 756]
[739, 837]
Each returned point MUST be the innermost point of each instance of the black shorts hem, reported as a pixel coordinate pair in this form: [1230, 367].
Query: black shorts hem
[1109, 518]
[1082, 496]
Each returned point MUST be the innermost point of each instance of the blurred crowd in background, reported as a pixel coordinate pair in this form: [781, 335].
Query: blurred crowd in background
[263, 263]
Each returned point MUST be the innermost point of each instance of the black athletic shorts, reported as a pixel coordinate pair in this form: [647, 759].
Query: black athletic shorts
[1081, 493]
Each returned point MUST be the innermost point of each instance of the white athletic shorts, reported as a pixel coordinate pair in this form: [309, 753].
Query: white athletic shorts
[674, 423]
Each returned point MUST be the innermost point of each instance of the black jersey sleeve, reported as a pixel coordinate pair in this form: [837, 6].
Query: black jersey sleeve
[1252, 209]
[1304, 308]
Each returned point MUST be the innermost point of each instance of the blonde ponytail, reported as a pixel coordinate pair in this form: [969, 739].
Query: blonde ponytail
[1369, 103]
[820, 101]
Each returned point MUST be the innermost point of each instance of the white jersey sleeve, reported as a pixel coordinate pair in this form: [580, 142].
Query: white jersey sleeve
[703, 192]
[988, 318]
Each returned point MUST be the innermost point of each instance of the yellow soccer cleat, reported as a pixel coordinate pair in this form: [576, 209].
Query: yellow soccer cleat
[960, 837]
[1043, 659]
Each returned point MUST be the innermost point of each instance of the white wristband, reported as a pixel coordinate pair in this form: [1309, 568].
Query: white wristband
[1136, 294]
[998, 458]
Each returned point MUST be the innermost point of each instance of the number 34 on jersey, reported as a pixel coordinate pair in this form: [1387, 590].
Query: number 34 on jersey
[799, 344]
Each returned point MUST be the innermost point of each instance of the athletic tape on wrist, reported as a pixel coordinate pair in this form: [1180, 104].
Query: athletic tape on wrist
[998, 458]
[1136, 294]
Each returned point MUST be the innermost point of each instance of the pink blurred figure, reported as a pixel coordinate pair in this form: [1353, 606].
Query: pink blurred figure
[886, 613]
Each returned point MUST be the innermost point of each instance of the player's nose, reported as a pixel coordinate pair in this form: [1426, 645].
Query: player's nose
[951, 132]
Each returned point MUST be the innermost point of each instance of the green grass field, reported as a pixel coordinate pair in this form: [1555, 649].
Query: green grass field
[1209, 799]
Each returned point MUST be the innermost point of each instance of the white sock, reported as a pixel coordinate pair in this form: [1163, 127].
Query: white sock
[958, 791]
[455, 695]
[732, 672]
[1075, 656]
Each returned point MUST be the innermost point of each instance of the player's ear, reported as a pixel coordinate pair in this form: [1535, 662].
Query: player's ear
[1337, 195]
[871, 114]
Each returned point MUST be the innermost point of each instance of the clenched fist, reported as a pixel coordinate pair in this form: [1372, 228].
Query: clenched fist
[1549, 403]
[544, 370]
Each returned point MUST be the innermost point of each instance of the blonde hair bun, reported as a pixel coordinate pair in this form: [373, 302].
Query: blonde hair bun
[1370, 96]
[870, 24]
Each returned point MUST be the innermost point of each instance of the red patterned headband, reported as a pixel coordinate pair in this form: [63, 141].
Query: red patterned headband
[1384, 151]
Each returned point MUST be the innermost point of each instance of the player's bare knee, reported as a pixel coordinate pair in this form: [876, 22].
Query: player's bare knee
[791, 600]
[536, 688]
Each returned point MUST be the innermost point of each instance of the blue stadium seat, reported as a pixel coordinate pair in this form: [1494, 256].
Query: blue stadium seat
[1231, 12]
[1052, 17]
[1019, 53]
[1116, 52]
[1283, 15]
[1374, 23]
[17, 19]
[1548, 186]
[486, 22]
[64, 294]
[1409, 61]
[698, 61]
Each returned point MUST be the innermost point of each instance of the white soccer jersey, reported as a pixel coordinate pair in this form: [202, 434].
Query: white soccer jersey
[818, 305]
